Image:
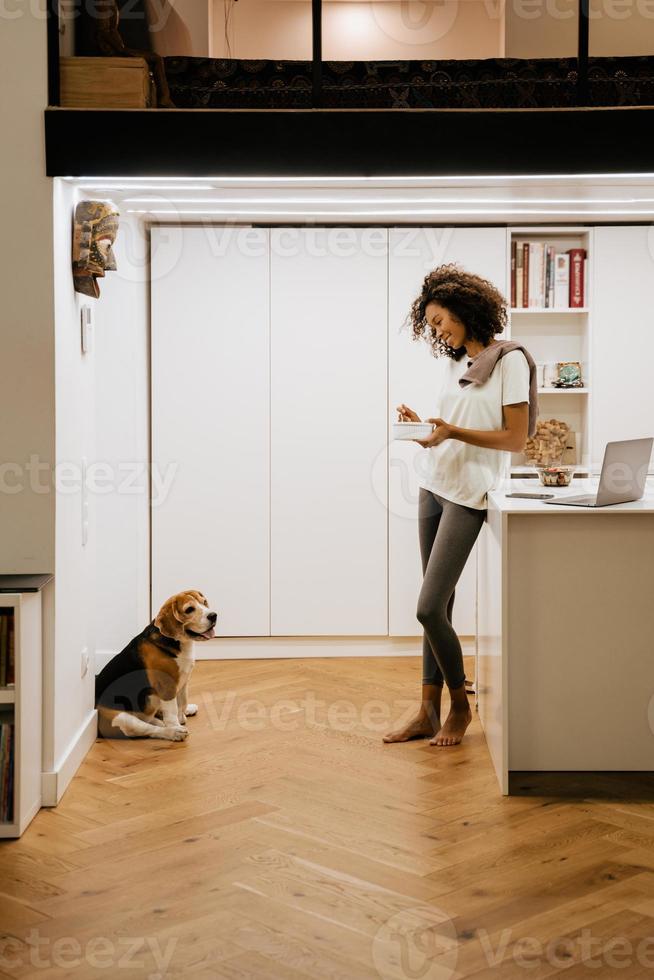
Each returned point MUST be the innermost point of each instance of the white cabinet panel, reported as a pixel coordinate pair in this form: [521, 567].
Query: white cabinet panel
[210, 421]
[622, 345]
[413, 252]
[329, 429]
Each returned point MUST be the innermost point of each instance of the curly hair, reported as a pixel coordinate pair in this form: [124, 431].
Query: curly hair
[476, 302]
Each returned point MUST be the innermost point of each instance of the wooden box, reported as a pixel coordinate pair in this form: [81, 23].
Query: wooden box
[106, 83]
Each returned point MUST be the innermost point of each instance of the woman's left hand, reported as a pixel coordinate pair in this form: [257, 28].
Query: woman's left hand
[442, 432]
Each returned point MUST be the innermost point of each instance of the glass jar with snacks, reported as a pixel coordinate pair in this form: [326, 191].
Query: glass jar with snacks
[555, 474]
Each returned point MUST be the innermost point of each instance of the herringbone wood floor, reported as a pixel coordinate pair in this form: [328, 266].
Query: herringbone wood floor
[283, 839]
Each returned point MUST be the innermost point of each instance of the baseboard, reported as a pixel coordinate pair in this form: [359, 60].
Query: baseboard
[307, 647]
[302, 647]
[55, 783]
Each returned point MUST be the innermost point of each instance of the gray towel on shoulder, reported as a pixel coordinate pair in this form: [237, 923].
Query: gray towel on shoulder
[481, 367]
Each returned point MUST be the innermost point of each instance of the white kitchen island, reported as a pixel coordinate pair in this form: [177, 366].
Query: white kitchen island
[566, 633]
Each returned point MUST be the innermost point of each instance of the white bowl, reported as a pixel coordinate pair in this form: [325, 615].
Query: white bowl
[412, 430]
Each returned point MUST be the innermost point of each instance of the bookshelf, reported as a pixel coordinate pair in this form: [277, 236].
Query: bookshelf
[20, 709]
[553, 334]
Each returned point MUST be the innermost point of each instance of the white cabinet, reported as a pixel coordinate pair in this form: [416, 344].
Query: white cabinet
[622, 348]
[277, 363]
[328, 414]
[210, 421]
[413, 252]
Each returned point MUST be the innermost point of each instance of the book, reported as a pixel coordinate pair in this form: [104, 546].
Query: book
[518, 277]
[549, 278]
[11, 658]
[4, 627]
[6, 772]
[577, 256]
[536, 285]
[544, 278]
[525, 274]
[7, 666]
[561, 280]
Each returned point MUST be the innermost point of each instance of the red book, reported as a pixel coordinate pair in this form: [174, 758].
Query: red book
[577, 285]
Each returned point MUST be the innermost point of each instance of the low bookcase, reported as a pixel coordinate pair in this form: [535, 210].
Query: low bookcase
[20, 710]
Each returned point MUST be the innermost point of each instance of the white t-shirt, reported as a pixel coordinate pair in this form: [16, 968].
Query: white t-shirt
[456, 470]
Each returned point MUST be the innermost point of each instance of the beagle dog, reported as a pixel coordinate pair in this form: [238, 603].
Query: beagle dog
[142, 691]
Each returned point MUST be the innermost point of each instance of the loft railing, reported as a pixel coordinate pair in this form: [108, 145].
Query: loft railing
[53, 52]
[316, 23]
[582, 53]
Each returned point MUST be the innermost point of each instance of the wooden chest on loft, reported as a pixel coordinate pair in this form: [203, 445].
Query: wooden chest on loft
[106, 83]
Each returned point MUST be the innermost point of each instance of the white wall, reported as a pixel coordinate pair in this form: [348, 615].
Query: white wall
[179, 27]
[121, 357]
[382, 30]
[542, 29]
[26, 282]
[69, 694]
[387, 29]
[38, 532]
[101, 588]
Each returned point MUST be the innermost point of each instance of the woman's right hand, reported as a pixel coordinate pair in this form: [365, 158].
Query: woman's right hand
[407, 414]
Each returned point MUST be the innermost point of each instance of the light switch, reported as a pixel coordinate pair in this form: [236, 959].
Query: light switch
[87, 329]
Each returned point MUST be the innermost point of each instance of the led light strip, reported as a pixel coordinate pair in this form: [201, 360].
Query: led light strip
[142, 187]
[390, 213]
[385, 200]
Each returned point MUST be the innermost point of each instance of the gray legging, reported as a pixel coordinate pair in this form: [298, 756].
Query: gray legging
[447, 533]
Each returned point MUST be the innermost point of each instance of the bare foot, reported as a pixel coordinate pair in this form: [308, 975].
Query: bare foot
[418, 727]
[454, 728]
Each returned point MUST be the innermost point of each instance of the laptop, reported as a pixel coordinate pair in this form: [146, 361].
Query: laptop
[623, 475]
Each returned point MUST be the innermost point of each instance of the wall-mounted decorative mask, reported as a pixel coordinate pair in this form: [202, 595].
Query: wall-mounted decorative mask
[94, 232]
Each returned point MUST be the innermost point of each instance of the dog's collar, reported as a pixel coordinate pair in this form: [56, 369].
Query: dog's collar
[170, 645]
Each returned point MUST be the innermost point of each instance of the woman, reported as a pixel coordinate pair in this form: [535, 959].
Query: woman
[459, 313]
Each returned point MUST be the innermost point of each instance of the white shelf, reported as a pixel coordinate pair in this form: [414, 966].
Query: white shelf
[7, 695]
[552, 390]
[558, 334]
[549, 309]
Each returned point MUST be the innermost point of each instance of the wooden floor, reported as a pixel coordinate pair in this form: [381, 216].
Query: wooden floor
[284, 839]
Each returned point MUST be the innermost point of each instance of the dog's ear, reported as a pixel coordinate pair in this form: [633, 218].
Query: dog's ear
[197, 595]
[168, 620]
